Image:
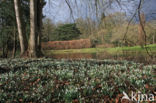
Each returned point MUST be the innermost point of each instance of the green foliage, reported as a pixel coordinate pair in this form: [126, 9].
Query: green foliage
[7, 12]
[48, 80]
[95, 42]
[66, 32]
[8, 21]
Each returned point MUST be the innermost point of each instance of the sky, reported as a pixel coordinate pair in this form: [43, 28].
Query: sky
[58, 11]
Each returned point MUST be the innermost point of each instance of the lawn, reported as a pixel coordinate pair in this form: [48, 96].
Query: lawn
[151, 48]
[66, 81]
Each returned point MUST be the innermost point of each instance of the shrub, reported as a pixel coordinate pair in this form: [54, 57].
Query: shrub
[72, 44]
[66, 32]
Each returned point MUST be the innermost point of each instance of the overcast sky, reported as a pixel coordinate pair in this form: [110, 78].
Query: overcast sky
[58, 11]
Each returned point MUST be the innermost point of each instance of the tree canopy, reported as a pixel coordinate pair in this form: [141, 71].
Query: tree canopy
[66, 32]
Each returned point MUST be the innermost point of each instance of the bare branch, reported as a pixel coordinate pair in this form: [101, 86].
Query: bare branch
[71, 11]
[142, 27]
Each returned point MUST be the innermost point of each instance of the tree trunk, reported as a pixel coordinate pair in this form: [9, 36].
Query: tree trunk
[14, 47]
[36, 7]
[153, 39]
[141, 36]
[33, 29]
[21, 32]
[3, 49]
[40, 5]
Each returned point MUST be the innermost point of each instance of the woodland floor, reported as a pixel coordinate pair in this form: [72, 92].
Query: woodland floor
[77, 81]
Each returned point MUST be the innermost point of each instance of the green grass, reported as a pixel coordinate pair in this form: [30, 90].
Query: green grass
[114, 50]
[151, 47]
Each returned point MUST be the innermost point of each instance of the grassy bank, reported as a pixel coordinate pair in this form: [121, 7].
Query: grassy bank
[152, 48]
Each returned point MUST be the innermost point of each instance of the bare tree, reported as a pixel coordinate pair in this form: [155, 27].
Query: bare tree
[40, 5]
[141, 35]
[14, 45]
[21, 32]
[142, 27]
[33, 29]
[36, 7]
